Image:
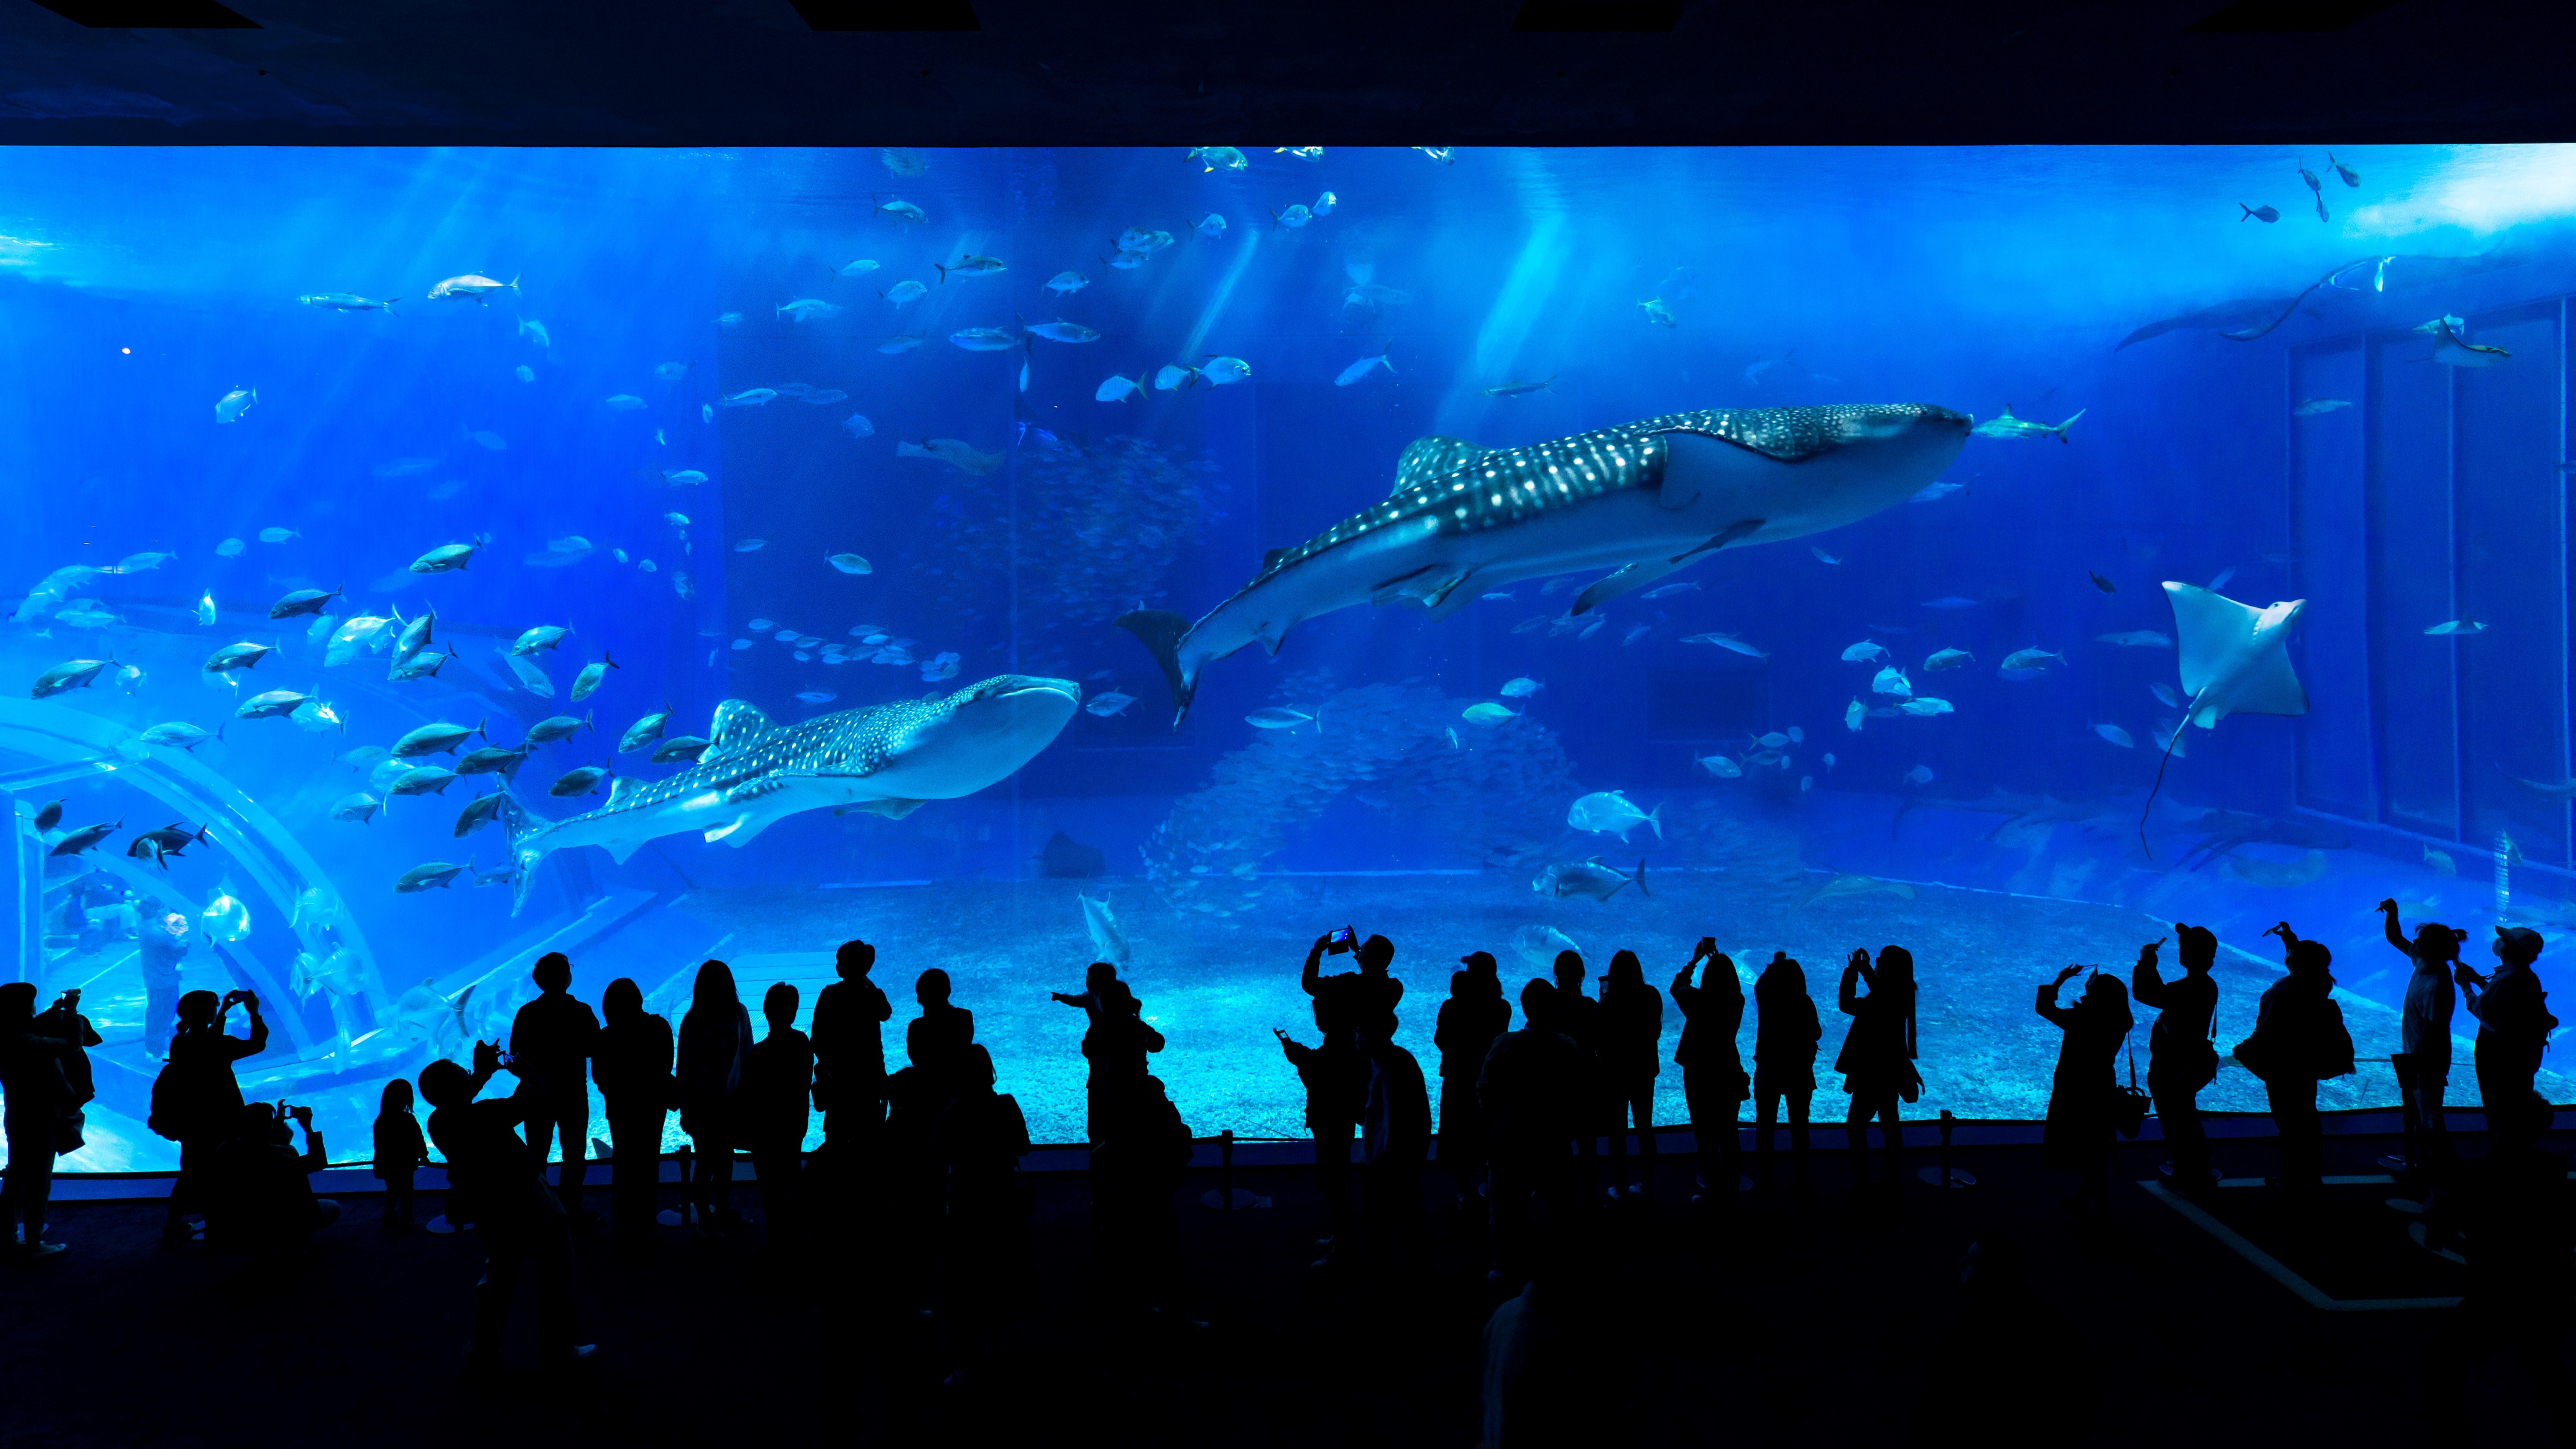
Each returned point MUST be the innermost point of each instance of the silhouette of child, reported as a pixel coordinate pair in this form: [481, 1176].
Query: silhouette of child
[400, 1152]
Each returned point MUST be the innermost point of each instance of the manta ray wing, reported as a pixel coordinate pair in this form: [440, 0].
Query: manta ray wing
[2230, 663]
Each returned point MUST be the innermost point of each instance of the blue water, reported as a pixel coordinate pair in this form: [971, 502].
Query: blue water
[139, 287]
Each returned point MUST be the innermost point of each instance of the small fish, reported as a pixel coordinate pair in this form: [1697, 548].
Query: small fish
[301, 602]
[806, 309]
[489, 441]
[1445, 155]
[1224, 371]
[969, 265]
[2350, 176]
[1720, 766]
[1062, 331]
[1919, 775]
[858, 426]
[2127, 639]
[683, 477]
[904, 291]
[1487, 713]
[532, 328]
[1127, 261]
[1278, 719]
[524, 373]
[1173, 375]
[275, 704]
[1668, 590]
[493, 759]
[850, 563]
[1294, 217]
[1635, 633]
[576, 782]
[2224, 575]
[135, 563]
[2113, 734]
[2262, 214]
[1218, 158]
[1118, 388]
[356, 809]
[1822, 556]
[679, 748]
[48, 815]
[1926, 705]
[1657, 313]
[816, 696]
[237, 656]
[1107, 703]
[1935, 492]
[2315, 406]
[480, 811]
[419, 666]
[2165, 695]
[1947, 659]
[626, 402]
[229, 548]
[707, 412]
[644, 731]
[1365, 366]
[275, 534]
[750, 397]
[2099, 582]
[230, 407]
[448, 557]
[434, 874]
[1521, 688]
[2310, 178]
[1728, 641]
[1589, 878]
[592, 676]
[562, 726]
[2033, 658]
[85, 838]
[1209, 227]
[984, 339]
[2009, 426]
[2440, 861]
[206, 609]
[954, 453]
[1864, 651]
[2458, 626]
[432, 739]
[1892, 680]
[78, 674]
[175, 734]
[470, 287]
[751, 545]
[542, 636]
[1065, 284]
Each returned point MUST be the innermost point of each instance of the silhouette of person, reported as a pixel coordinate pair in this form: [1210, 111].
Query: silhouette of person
[1713, 1080]
[1577, 1018]
[35, 1097]
[849, 1050]
[1335, 1075]
[1531, 1089]
[63, 1020]
[2079, 1134]
[2423, 1057]
[264, 1200]
[2182, 1055]
[2299, 1039]
[2512, 1206]
[715, 1034]
[777, 1075]
[1134, 1174]
[201, 1094]
[503, 1189]
[1469, 1020]
[940, 1035]
[1785, 1035]
[1631, 1047]
[161, 947]
[1115, 1043]
[556, 1035]
[2513, 1030]
[1877, 1059]
[989, 1261]
[632, 1064]
[401, 1152]
[1362, 994]
[1395, 1141]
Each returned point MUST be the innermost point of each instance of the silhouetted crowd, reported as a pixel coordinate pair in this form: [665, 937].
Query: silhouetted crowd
[1532, 1123]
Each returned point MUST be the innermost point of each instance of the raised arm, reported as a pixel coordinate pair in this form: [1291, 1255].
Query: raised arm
[1855, 971]
[2146, 982]
[2047, 1004]
[1312, 976]
[2395, 930]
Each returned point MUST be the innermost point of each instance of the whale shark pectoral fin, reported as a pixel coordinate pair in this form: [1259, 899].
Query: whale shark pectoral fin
[1452, 597]
[622, 851]
[1741, 528]
[1611, 585]
[1433, 586]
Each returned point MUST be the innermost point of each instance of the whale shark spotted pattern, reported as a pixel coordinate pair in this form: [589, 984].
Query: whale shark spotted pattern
[886, 759]
[1643, 499]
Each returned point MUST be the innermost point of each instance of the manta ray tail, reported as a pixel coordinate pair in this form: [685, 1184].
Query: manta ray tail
[2170, 741]
[1161, 631]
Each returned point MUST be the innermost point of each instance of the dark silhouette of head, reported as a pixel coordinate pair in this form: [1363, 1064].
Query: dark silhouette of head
[397, 1097]
[553, 972]
[1097, 975]
[1538, 1002]
[931, 988]
[1376, 954]
[1379, 1029]
[855, 959]
[198, 1008]
[17, 1005]
[623, 1001]
[1461, 985]
[1625, 969]
[2308, 959]
[1569, 971]
[975, 1067]
[258, 1122]
[2108, 998]
[445, 1084]
[1117, 1000]
[2437, 942]
[1895, 966]
[2517, 945]
[1482, 966]
[778, 1004]
[714, 987]
[1781, 981]
[2195, 946]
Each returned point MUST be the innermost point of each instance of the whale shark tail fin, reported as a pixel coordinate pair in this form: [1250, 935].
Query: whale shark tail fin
[1161, 631]
[525, 836]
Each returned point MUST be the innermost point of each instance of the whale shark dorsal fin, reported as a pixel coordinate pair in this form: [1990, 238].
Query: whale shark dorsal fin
[1433, 456]
[737, 721]
[617, 790]
[2229, 657]
[1270, 558]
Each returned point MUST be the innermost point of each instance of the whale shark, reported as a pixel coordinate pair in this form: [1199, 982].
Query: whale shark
[1642, 499]
[886, 759]
[2235, 659]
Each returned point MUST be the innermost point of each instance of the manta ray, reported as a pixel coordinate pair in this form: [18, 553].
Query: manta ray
[886, 759]
[2235, 660]
[1642, 499]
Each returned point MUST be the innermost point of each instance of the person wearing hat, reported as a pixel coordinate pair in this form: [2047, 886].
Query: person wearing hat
[2181, 1056]
[2299, 1040]
[1473, 1016]
[2423, 1059]
[2513, 1030]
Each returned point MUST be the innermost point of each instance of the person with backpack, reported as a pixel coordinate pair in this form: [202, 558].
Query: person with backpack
[196, 1101]
[38, 1098]
[2513, 1031]
[2299, 1040]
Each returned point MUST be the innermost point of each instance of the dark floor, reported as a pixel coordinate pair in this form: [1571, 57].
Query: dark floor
[1798, 1319]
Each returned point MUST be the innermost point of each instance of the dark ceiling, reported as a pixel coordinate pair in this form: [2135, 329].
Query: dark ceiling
[1448, 72]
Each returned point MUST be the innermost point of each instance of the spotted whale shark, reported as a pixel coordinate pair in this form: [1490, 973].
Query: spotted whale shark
[1642, 500]
[885, 758]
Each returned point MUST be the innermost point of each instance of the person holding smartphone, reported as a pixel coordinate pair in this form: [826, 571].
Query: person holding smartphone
[1365, 992]
[2181, 1057]
[1713, 1079]
[196, 1100]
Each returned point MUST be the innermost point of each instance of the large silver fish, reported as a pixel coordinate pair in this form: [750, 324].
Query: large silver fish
[886, 759]
[1643, 499]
